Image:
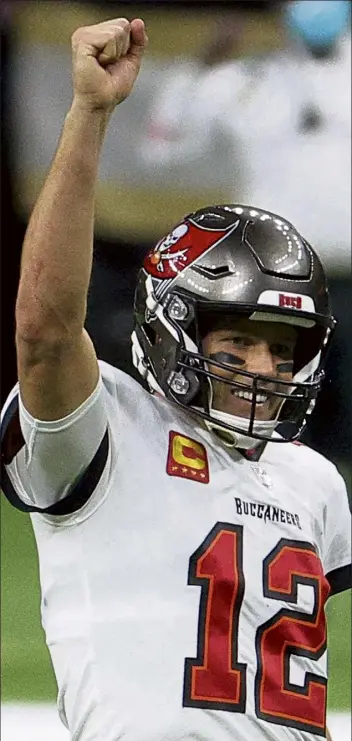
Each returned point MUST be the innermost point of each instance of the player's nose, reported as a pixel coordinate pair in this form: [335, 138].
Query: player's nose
[260, 360]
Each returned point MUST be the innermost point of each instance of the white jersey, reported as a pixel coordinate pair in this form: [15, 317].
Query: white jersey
[183, 591]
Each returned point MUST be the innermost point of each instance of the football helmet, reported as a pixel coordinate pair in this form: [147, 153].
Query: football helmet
[240, 261]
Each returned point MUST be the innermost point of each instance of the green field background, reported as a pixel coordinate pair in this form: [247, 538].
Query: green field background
[27, 674]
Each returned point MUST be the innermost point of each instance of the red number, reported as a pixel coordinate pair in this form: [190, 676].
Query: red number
[292, 633]
[215, 679]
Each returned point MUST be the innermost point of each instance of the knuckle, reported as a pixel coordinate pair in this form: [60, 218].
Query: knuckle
[116, 30]
[123, 22]
[121, 33]
[79, 36]
[122, 26]
[76, 36]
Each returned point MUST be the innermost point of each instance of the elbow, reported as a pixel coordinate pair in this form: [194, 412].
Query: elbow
[48, 316]
[37, 345]
[29, 327]
[31, 316]
[46, 326]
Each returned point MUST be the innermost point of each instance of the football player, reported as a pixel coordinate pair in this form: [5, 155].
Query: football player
[187, 546]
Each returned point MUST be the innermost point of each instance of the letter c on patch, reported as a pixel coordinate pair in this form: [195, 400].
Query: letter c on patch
[188, 452]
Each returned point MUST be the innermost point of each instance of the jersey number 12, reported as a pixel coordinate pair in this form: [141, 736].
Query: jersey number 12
[215, 679]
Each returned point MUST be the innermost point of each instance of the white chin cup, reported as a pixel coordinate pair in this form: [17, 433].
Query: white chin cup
[235, 439]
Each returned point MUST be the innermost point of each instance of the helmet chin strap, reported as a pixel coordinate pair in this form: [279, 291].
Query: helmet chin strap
[234, 439]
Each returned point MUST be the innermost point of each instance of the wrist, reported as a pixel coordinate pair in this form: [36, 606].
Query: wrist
[82, 138]
[83, 113]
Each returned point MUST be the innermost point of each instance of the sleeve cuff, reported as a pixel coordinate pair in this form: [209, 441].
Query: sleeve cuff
[340, 579]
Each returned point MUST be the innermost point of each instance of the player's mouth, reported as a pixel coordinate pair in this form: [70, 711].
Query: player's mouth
[240, 401]
[260, 399]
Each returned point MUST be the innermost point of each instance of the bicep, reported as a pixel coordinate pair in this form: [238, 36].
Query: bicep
[55, 378]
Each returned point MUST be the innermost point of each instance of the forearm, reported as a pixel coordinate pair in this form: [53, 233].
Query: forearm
[58, 246]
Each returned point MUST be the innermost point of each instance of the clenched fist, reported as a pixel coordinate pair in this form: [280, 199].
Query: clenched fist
[106, 60]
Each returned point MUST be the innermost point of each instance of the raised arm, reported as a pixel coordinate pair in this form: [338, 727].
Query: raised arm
[57, 365]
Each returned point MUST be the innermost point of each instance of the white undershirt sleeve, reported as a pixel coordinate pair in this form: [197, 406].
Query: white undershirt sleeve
[58, 452]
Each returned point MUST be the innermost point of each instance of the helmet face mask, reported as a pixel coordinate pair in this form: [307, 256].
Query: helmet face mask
[213, 268]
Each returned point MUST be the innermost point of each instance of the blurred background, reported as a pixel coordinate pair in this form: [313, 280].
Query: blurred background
[245, 102]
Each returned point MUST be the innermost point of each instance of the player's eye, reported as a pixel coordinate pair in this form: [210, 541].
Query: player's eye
[283, 350]
[241, 341]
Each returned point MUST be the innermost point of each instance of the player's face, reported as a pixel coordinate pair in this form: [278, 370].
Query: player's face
[264, 348]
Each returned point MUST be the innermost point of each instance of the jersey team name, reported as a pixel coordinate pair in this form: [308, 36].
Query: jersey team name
[266, 512]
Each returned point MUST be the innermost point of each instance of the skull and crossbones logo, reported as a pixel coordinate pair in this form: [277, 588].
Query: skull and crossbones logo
[162, 251]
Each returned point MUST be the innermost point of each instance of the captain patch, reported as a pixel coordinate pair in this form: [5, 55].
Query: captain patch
[187, 458]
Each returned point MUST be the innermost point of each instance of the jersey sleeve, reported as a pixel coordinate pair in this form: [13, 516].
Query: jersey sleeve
[337, 540]
[54, 466]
